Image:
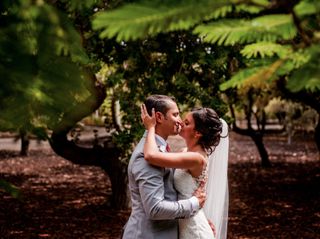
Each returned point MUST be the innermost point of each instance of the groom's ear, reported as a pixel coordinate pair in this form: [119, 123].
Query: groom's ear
[159, 117]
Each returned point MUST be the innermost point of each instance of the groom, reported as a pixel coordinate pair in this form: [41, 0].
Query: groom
[154, 200]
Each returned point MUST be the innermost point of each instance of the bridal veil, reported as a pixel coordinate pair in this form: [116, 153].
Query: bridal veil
[217, 202]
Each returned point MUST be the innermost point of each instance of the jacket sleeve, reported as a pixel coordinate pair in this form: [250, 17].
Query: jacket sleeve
[151, 187]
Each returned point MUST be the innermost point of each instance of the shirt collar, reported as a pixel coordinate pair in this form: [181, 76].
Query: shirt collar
[159, 139]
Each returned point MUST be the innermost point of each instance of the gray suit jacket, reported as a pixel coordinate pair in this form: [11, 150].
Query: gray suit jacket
[153, 199]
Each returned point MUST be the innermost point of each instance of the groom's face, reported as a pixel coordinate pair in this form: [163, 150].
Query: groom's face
[171, 123]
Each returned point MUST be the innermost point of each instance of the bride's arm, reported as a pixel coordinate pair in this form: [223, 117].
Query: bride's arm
[186, 160]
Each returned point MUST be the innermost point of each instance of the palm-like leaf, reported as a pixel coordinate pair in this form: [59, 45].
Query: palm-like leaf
[308, 75]
[265, 49]
[253, 7]
[221, 12]
[254, 77]
[306, 8]
[39, 80]
[237, 80]
[260, 73]
[135, 21]
[266, 28]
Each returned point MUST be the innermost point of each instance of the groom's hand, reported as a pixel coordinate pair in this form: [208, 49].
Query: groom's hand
[201, 195]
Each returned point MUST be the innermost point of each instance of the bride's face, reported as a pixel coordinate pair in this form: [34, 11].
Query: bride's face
[187, 132]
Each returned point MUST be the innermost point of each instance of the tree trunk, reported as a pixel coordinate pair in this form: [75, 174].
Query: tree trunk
[107, 157]
[24, 142]
[117, 173]
[258, 140]
[255, 135]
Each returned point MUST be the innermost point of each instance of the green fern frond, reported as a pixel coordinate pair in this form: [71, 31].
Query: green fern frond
[306, 8]
[263, 3]
[237, 80]
[299, 58]
[254, 77]
[307, 76]
[248, 8]
[265, 49]
[224, 10]
[220, 12]
[134, 21]
[301, 67]
[266, 28]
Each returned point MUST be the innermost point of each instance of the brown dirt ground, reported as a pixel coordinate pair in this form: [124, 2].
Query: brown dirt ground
[63, 200]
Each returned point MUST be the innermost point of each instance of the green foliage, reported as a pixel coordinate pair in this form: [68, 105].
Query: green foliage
[238, 79]
[270, 31]
[148, 18]
[308, 75]
[263, 43]
[177, 64]
[265, 33]
[41, 59]
[265, 49]
[269, 28]
[306, 8]
[253, 9]
[298, 63]
[181, 48]
[300, 67]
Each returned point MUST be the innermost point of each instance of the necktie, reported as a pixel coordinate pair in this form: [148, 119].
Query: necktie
[168, 148]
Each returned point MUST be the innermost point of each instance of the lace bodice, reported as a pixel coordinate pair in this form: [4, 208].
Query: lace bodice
[196, 227]
[186, 184]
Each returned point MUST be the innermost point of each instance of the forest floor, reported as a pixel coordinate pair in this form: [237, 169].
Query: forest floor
[64, 200]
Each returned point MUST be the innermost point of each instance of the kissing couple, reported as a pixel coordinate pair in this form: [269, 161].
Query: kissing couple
[178, 194]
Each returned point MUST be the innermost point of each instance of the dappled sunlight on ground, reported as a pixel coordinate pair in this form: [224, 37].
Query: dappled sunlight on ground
[63, 200]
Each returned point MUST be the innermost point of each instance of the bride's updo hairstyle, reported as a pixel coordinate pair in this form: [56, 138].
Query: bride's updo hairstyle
[207, 123]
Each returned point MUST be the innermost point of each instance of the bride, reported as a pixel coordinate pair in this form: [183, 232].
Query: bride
[203, 164]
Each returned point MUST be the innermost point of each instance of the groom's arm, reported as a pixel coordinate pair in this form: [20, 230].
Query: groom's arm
[151, 188]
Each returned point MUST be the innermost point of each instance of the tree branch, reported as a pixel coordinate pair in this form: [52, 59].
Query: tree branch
[302, 33]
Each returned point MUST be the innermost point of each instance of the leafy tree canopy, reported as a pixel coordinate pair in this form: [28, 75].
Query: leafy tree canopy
[41, 65]
[279, 30]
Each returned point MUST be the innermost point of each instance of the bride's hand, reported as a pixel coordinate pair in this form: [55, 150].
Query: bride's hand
[148, 121]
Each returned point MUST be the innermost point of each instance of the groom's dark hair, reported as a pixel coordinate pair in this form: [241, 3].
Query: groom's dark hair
[159, 103]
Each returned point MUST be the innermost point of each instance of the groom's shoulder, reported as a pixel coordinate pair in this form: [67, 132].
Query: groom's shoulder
[137, 156]
[138, 164]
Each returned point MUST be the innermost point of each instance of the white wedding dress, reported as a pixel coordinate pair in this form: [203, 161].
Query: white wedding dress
[196, 227]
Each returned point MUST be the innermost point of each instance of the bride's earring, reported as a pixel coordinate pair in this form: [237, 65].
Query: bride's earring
[197, 135]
